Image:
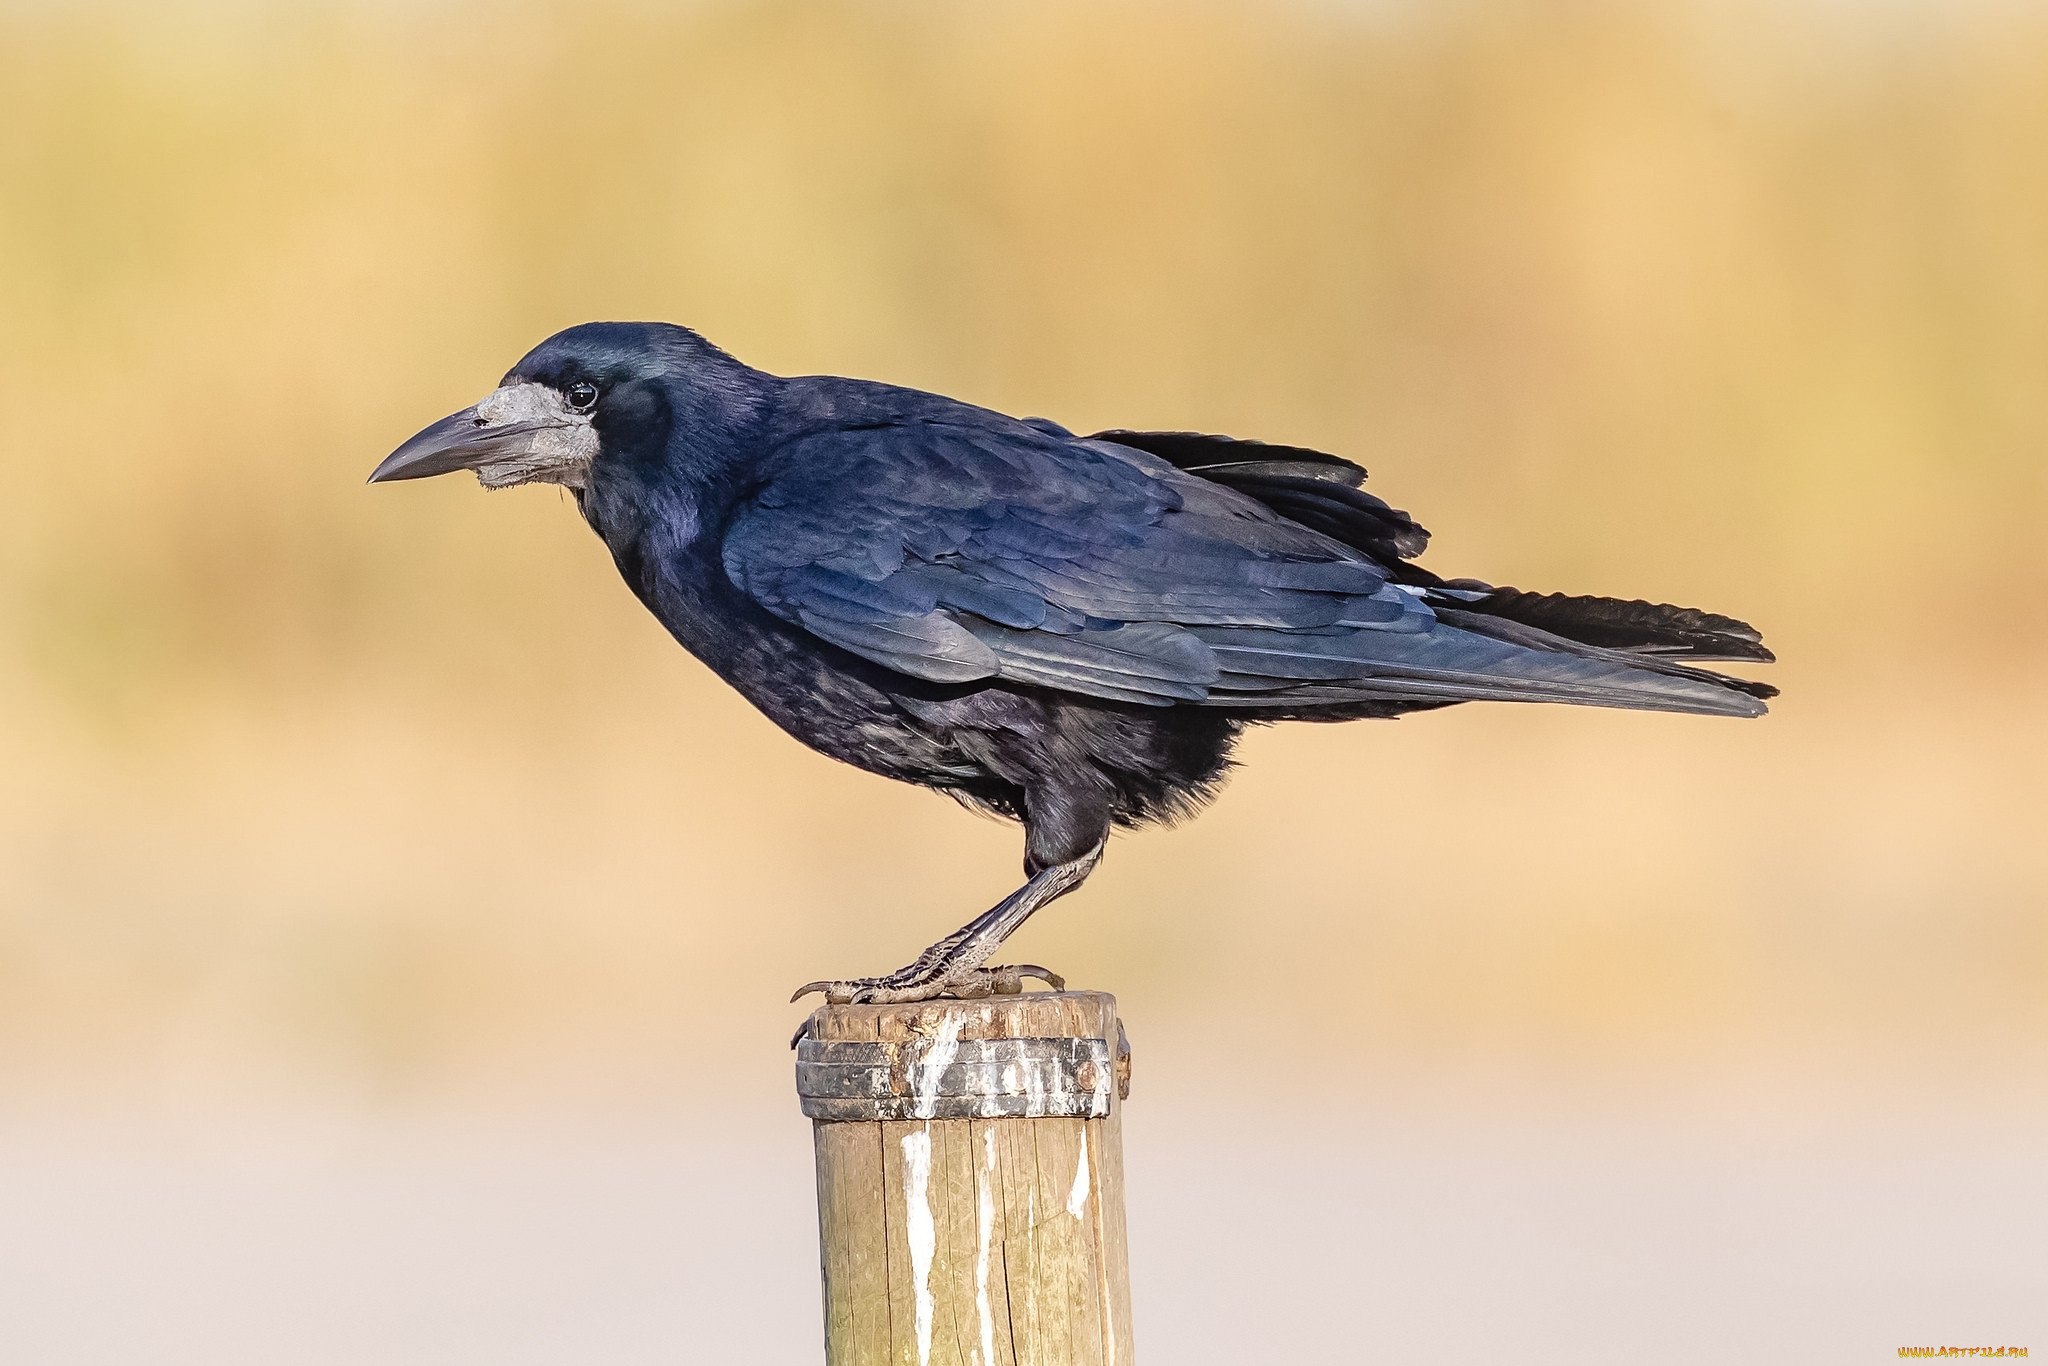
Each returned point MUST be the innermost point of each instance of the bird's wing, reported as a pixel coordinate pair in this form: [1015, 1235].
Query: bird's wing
[956, 552]
[980, 548]
[1322, 491]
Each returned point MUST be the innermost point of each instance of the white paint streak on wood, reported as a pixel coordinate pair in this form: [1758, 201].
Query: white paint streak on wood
[1077, 1198]
[921, 1232]
[939, 1055]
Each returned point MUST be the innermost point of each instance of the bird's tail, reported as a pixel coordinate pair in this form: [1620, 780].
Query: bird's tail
[1647, 679]
[1633, 626]
[1466, 656]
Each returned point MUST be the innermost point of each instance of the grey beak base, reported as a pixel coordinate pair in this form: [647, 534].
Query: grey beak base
[460, 441]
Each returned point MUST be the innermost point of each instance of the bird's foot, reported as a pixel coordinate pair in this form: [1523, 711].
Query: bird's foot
[919, 983]
[953, 966]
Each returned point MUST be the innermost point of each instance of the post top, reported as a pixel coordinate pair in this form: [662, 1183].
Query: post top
[1027, 1015]
[1038, 1055]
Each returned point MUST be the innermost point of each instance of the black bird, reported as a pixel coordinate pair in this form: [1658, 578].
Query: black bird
[1071, 631]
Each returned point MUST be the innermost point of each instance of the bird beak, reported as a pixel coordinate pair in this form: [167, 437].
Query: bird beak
[461, 441]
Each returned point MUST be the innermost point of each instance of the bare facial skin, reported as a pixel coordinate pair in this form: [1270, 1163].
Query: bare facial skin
[559, 451]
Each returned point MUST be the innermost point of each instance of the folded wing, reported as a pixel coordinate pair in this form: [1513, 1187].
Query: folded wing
[981, 549]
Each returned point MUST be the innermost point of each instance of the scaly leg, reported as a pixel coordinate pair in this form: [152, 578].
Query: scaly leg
[953, 966]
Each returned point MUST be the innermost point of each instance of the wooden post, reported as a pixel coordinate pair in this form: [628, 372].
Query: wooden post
[970, 1180]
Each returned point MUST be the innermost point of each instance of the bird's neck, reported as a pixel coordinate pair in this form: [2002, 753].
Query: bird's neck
[656, 507]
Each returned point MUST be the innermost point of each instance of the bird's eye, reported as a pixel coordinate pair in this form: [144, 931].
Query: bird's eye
[582, 396]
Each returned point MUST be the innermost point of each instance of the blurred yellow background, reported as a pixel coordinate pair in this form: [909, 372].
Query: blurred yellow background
[357, 842]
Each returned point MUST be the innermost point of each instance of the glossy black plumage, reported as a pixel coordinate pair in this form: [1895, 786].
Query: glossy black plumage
[1069, 630]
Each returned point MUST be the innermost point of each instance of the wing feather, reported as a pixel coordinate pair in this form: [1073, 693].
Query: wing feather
[969, 547]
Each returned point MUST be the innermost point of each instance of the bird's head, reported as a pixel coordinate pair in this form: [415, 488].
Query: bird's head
[600, 390]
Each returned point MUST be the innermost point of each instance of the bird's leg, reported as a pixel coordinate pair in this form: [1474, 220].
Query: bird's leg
[953, 966]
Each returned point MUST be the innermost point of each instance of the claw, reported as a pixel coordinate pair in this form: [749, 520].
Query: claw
[1010, 979]
[861, 991]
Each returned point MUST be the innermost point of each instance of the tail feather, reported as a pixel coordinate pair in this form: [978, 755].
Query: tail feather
[1631, 625]
[1658, 663]
[1463, 658]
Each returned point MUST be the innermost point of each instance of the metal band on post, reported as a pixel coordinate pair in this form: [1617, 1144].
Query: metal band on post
[845, 1081]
